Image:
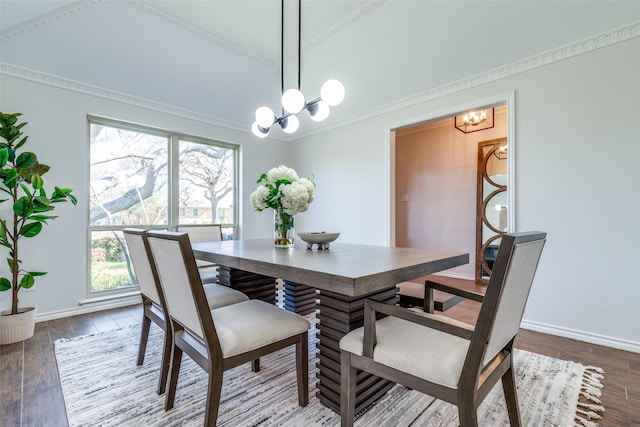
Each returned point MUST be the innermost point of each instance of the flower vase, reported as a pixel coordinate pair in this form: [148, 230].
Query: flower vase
[284, 230]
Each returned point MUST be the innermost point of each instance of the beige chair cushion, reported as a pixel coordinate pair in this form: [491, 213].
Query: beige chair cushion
[417, 350]
[220, 295]
[252, 324]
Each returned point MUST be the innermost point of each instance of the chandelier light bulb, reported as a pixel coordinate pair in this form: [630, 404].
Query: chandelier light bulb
[332, 92]
[259, 131]
[293, 101]
[319, 111]
[290, 124]
[264, 117]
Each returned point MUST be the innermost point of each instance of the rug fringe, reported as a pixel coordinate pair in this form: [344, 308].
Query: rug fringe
[591, 389]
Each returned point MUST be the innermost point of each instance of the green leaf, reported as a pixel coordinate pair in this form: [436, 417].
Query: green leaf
[10, 262]
[37, 273]
[10, 177]
[3, 234]
[5, 284]
[27, 281]
[23, 140]
[41, 218]
[22, 207]
[36, 181]
[31, 229]
[26, 160]
[4, 156]
[25, 189]
[263, 177]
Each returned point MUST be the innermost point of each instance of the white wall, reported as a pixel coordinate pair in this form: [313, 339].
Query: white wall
[57, 132]
[576, 174]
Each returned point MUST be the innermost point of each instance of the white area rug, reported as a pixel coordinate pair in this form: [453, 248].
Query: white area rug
[102, 386]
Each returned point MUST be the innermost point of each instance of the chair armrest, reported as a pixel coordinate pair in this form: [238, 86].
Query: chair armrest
[372, 307]
[472, 295]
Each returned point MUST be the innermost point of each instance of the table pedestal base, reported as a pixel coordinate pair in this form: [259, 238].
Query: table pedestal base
[338, 315]
[255, 286]
[299, 298]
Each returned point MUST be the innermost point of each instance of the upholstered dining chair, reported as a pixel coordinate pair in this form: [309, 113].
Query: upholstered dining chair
[153, 302]
[203, 233]
[444, 358]
[220, 339]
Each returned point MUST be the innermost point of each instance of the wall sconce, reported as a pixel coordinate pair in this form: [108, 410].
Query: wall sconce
[474, 121]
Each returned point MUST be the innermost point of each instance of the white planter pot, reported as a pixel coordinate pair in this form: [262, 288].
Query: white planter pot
[17, 327]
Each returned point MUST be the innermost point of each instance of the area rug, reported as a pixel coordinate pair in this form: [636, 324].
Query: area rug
[102, 386]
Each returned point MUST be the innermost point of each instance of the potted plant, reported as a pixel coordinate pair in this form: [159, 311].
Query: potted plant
[22, 214]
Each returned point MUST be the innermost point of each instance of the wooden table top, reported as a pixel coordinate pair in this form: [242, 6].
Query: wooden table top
[348, 269]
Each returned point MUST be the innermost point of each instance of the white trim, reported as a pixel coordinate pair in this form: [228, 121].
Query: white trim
[536, 61]
[506, 98]
[583, 336]
[92, 305]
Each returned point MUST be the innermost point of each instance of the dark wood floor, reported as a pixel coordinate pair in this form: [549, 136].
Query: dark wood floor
[30, 393]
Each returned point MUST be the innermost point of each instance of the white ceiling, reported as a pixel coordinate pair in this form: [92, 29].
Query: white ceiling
[220, 59]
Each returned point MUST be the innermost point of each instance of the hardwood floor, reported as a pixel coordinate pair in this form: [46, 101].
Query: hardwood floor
[30, 393]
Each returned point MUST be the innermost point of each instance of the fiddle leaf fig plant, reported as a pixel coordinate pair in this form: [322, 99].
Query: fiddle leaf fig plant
[21, 180]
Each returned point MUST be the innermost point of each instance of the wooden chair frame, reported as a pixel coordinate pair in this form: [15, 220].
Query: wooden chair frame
[151, 312]
[475, 380]
[208, 353]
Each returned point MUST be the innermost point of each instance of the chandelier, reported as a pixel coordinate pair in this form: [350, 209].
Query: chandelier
[293, 101]
[475, 120]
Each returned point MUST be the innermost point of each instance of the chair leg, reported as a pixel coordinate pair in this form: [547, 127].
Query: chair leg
[166, 360]
[255, 365]
[144, 337]
[302, 368]
[428, 301]
[347, 390]
[511, 396]
[467, 414]
[214, 392]
[174, 371]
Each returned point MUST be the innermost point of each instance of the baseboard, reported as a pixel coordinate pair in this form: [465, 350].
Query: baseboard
[90, 308]
[603, 340]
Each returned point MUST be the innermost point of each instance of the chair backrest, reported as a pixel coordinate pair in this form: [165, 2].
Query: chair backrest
[180, 281]
[143, 264]
[507, 292]
[201, 232]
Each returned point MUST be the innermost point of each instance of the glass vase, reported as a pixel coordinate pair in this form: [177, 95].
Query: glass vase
[284, 230]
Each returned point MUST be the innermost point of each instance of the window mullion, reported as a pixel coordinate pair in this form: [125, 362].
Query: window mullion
[174, 181]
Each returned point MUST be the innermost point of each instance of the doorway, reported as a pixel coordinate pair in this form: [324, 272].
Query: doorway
[435, 184]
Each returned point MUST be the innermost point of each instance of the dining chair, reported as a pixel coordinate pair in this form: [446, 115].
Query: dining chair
[203, 233]
[220, 339]
[442, 357]
[153, 302]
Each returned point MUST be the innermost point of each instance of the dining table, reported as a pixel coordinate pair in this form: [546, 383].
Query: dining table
[340, 279]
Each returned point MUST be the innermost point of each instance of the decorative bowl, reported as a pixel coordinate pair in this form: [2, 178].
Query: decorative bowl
[321, 238]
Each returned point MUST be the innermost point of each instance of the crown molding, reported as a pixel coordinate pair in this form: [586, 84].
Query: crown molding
[564, 52]
[53, 16]
[147, 8]
[586, 45]
[51, 80]
[359, 13]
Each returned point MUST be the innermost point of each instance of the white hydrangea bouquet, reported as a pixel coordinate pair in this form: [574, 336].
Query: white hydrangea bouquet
[288, 195]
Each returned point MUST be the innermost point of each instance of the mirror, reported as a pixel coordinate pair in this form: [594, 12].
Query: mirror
[492, 204]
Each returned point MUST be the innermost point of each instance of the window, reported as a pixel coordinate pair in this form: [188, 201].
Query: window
[144, 177]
